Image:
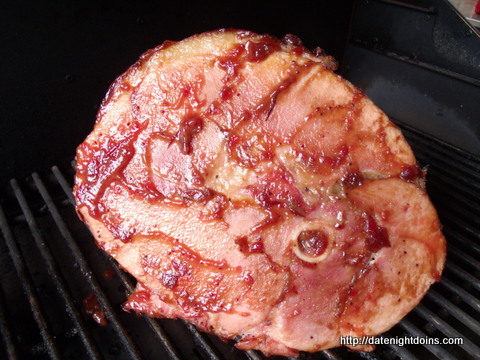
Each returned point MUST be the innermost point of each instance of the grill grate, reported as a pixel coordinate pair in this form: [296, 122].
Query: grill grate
[49, 264]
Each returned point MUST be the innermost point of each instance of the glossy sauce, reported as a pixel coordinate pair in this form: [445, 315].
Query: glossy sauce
[214, 208]
[352, 179]
[246, 147]
[94, 310]
[275, 191]
[259, 50]
[189, 126]
[247, 247]
[108, 157]
[232, 61]
[102, 162]
[377, 236]
[181, 267]
[278, 189]
[266, 106]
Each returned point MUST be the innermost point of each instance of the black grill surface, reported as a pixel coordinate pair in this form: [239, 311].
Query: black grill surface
[49, 264]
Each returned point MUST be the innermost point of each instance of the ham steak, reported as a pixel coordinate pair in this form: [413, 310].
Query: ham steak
[257, 194]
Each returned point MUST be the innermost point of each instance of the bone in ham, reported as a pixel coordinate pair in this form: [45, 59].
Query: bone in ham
[255, 193]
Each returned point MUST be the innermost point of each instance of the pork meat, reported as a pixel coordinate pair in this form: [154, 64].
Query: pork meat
[257, 194]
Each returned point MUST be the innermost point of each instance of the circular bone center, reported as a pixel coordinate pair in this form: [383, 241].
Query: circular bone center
[312, 243]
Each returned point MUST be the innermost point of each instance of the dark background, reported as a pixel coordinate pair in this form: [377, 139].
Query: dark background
[417, 59]
[58, 58]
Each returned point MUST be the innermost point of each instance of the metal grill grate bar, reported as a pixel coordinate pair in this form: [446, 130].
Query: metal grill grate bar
[330, 355]
[458, 202]
[402, 352]
[202, 342]
[28, 287]
[466, 319]
[456, 181]
[63, 184]
[463, 274]
[10, 349]
[371, 356]
[446, 329]
[102, 299]
[154, 325]
[461, 239]
[454, 203]
[253, 355]
[441, 151]
[128, 285]
[458, 177]
[464, 196]
[463, 257]
[464, 295]
[446, 166]
[197, 335]
[468, 242]
[55, 273]
[457, 222]
[438, 351]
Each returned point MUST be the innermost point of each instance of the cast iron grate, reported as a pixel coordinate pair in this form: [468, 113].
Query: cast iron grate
[49, 264]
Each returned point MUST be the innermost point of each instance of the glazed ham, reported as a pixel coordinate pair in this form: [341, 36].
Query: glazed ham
[255, 193]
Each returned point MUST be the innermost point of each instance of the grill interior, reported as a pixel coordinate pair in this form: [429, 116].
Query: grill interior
[49, 264]
[398, 51]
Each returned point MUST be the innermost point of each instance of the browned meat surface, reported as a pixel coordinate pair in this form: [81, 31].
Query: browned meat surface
[252, 191]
